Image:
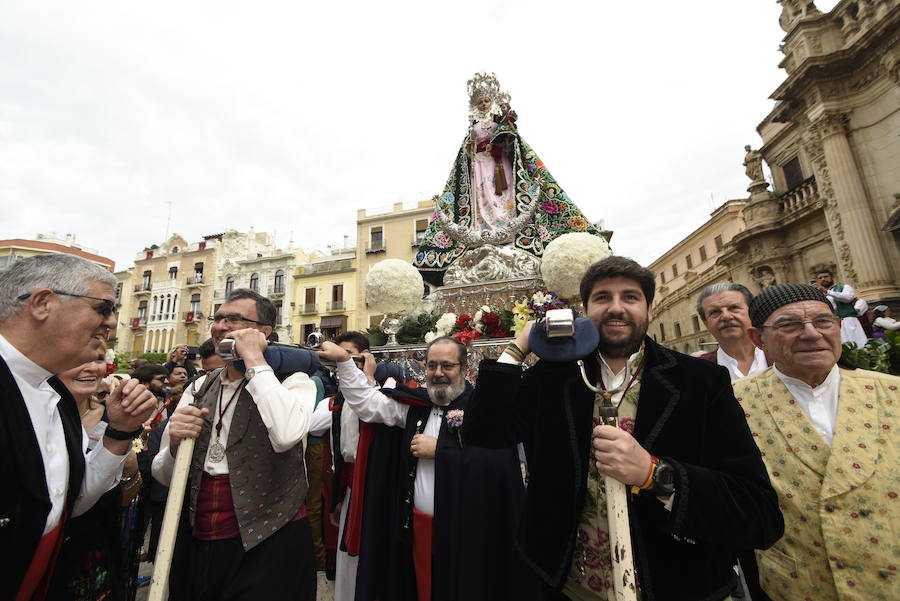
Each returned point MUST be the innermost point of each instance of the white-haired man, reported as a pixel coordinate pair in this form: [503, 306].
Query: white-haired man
[827, 434]
[55, 313]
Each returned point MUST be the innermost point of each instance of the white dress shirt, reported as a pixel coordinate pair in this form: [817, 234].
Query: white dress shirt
[102, 468]
[373, 406]
[820, 404]
[731, 364]
[285, 408]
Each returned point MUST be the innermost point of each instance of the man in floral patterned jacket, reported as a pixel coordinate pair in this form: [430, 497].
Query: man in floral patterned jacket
[828, 438]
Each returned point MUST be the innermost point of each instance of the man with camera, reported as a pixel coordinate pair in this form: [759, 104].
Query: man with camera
[698, 488]
[250, 537]
[56, 311]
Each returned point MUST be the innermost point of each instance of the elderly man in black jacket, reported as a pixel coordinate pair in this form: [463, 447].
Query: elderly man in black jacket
[699, 489]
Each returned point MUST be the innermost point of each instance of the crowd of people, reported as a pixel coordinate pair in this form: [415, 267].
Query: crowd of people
[763, 470]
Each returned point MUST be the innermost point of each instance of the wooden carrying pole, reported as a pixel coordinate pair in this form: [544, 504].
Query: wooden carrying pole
[160, 582]
[624, 581]
[620, 540]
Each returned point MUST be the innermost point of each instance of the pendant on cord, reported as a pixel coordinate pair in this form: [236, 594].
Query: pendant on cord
[216, 452]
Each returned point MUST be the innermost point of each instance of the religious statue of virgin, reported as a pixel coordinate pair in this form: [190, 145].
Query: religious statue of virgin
[499, 192]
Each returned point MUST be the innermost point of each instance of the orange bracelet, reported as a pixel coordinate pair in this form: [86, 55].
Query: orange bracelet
[654, 463]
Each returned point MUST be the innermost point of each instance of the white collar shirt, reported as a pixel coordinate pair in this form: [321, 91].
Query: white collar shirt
[102, 468]
[820, 404]
[621, 380]
[731, 364]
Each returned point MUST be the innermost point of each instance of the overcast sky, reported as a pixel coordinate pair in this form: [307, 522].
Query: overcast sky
[290, 116]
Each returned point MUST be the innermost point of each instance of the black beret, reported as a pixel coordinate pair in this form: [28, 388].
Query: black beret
[779, 295]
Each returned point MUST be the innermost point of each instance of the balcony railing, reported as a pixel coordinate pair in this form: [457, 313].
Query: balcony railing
[195, 280]
[337, 305]
[138, 322]
[800, 197]
[308, 308]
[327, 267]
[192, 316]
[276, 290]
[376, 248]
[140, 288]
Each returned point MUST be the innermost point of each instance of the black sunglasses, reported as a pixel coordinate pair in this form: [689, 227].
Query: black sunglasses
[106, 309]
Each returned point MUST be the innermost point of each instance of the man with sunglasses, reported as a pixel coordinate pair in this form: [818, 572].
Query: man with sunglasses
[55, 313]
[828, 438]
[250, 537]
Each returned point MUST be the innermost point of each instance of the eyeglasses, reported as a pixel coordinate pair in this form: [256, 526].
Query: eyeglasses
[106, 309]
[234, 319]
[445, 366]
[823, 324]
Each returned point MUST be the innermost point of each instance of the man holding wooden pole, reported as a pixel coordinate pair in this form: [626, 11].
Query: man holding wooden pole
[696, 486]
[250, 538]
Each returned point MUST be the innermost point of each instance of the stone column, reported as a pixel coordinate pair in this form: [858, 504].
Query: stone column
[860, 249]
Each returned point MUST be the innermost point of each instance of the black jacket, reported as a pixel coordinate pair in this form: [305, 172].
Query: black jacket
[24, 498]
[686, 414]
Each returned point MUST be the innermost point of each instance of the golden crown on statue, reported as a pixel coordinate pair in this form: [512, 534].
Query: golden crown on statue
[485, 84]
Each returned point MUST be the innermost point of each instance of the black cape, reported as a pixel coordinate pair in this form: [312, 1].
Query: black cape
[478, 502]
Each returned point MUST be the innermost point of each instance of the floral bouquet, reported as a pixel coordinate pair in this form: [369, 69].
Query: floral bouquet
[533, 307]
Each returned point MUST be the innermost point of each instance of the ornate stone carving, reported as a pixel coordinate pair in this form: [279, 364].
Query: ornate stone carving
[490, 263]
[891, 65]
[831, 124]
[764, 276]
[794, 10]
[815, 42]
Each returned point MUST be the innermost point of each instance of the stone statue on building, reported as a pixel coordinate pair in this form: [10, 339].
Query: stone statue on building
[794, 10]
[753, 165]
[764, 276]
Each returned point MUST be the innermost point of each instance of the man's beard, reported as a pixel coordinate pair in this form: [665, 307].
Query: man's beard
[622, 349]
[444, 393]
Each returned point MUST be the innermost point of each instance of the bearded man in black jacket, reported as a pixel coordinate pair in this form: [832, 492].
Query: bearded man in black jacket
[699, 489]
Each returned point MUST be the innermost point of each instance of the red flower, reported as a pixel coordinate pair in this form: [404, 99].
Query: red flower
[467, 336]
[463, 321]
[490, 319]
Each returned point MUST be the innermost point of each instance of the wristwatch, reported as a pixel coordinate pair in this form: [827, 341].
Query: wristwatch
[120, 435]
[663, 480]
[252, 372]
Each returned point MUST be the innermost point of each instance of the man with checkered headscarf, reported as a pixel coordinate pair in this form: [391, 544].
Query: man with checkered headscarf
[827, 436]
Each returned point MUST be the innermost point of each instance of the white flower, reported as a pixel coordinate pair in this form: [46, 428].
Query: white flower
[446, 322]
[429, 336]
[567, 258]
[539, 298]
[485, 309]
[393, 286]
[478, 315]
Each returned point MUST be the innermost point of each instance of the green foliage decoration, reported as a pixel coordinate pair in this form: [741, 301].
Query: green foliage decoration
[879, 354]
